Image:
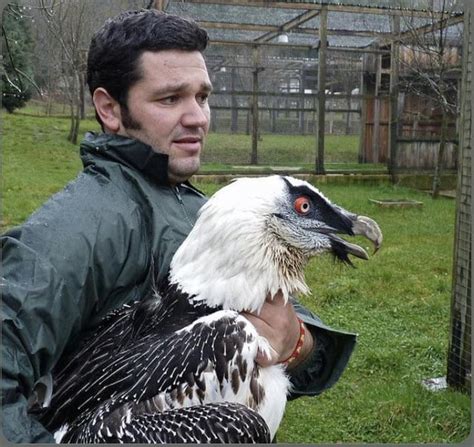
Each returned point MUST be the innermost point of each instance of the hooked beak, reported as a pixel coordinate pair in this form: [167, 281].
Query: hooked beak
[367, 227]
[319, 229]
[360, 226]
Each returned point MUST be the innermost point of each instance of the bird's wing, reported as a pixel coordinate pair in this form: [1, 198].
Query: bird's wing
[223, 422]
[210, 360]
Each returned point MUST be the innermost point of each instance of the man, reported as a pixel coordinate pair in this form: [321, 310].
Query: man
[110, 235]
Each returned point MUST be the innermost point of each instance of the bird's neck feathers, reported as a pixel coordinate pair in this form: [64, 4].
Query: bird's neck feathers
[236, 265]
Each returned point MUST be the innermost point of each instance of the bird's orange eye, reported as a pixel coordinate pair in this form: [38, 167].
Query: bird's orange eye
[302, 205]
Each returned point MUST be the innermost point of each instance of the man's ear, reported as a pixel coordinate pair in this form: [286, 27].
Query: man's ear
[108, 110]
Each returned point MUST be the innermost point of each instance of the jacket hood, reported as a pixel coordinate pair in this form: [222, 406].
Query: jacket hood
[126, 151]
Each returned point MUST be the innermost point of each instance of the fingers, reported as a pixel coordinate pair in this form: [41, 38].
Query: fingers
[278, 323]
[264, 357]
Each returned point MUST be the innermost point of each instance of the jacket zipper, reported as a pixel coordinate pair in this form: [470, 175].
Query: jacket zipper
[180, 200]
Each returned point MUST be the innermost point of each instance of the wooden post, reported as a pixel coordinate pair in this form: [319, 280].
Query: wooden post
[394, 91]
[376, 110]
[254, 153]
[363, 120]
[234, 126]
[301, 102]
[376, 133]
[460, 341]
[320, 124]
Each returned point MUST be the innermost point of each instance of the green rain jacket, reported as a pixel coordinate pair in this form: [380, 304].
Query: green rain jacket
[99, 243]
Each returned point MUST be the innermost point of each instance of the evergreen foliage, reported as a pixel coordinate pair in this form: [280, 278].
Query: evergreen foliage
[16, 68]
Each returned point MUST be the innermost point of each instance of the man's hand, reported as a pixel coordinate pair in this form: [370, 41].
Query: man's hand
[278, 323]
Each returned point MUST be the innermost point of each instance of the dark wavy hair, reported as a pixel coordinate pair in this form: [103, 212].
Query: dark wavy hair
[116, 47]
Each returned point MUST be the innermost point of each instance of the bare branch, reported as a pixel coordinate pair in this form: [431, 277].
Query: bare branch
[18, 89]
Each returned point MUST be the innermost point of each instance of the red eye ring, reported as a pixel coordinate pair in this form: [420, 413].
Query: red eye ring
[302, 205]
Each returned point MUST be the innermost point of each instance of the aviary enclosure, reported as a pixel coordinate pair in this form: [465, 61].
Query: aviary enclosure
[392, 75]
[362, 68]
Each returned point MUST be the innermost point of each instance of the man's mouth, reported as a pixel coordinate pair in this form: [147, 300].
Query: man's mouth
[189, 144]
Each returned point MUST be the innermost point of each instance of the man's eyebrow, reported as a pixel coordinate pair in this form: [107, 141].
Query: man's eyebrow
[173, 88]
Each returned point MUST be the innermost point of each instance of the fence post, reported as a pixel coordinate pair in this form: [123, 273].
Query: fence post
[254, 153]
[394, 91]
[459, 351]
[234, 122]
[321, 121]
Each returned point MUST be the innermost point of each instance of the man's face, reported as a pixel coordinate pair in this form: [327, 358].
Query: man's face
[168, 108]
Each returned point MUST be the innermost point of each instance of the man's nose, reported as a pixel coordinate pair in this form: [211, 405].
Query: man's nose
[196, 115]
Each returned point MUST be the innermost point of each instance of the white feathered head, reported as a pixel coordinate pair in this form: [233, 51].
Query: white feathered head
[254, 238]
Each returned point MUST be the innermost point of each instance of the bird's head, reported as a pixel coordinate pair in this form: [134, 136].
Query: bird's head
[255, 236]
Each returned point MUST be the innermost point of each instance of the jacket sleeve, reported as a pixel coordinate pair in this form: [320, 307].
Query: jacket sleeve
[68, 265]
[324, 366]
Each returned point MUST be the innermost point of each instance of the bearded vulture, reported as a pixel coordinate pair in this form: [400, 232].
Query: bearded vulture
[179, 366]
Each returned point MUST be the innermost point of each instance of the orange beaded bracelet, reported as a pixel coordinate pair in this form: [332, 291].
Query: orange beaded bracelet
[299, 345]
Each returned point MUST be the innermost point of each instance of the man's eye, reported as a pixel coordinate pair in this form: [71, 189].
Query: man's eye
[173, 99]
[202, 99]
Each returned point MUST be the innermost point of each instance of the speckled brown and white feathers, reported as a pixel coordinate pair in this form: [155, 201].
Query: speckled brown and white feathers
[223, 422]
[127, 370]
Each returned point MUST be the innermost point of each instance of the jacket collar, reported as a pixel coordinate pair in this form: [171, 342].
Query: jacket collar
[126, 151]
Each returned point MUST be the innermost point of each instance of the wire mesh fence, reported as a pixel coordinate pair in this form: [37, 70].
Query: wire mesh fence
[459, 355]
[295, 82]
[275, 90]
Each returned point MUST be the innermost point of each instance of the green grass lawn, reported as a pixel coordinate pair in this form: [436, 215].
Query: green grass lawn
[398, 301]
[226, 151]
[283, 150]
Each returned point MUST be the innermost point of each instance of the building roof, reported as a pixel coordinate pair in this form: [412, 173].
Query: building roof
[351, 23]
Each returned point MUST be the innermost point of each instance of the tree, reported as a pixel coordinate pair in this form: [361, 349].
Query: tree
[429, 66]
[70, 26]
[17, 79]
[68, 23]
